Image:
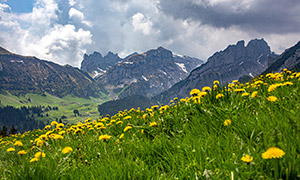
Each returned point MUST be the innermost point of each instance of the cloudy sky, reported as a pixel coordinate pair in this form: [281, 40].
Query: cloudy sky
[63, 30]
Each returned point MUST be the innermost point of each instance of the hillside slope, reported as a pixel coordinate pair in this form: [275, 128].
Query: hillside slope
[21, 75]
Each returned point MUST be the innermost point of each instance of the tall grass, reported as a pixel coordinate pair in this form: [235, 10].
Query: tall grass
[203, 136]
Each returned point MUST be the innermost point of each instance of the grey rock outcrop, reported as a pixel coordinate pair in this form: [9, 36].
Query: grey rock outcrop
[232, 63]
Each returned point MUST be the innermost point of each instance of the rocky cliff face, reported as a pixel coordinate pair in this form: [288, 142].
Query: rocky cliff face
[147, 74]
[289, 59]
[232, 63]
[21, 75]
[96, 65]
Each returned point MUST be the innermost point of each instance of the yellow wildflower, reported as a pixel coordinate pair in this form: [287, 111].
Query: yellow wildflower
[246, 158]
[10, 149]
[67, 150]
[39, 154]
[34, 159]
[272, 98]
[273, 152]
[153, 124]
[18, 143]
[272, 87]
[47, 127]
[219, 96]
[227, 122]
[54, 123]
[121, 136]
[22, 152]
[239, 90]
[144, 116]
[216, 82]
[245, 94]
[127, 128]
[206, 89]
[194, 92]
[119, 122]
[127, 117]
[254, 94]
[104, 137]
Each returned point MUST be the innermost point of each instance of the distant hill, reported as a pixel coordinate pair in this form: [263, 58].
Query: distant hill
[289, 59]
[135, 101]
[236, 61]
[21, 75]
[147, 74]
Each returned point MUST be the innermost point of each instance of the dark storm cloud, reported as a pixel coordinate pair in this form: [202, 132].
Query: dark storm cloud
[264, 16]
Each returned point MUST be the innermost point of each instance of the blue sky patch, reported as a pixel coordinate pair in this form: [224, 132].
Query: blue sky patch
[20, 6]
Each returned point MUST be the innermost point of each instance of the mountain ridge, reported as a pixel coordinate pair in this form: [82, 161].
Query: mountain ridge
[38, 76]
[229, 64]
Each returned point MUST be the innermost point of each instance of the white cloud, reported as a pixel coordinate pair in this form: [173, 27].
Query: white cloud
[62, 31]
[76, 14]
[72, 2]
[141, 23]
[4, 7]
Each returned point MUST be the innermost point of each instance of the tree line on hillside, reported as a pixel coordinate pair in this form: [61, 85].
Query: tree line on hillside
[13, 120]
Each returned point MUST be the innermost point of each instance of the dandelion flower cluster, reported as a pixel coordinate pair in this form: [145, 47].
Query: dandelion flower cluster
[273, 152]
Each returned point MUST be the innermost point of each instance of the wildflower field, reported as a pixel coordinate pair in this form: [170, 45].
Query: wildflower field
[240, 131]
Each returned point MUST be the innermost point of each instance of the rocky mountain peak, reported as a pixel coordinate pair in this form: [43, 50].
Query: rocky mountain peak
[240, 43]
[96, 64]
[4, 51]
[159, 53]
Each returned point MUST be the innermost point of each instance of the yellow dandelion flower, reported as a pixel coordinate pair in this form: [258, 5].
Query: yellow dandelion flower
[272, 87]
[144, 116]
[227, 122]
[34, 159]
[127, 128]
[104, 137]
[10, 149]
[273, 152]
[153, 124]
[239, 90]
[219, 96]
[40, 154]
[47, 127]
[194, 92]
[121, 136]
[245, 94]
[254, 94]
[54, 123]
[272, 98]
[216, 82]
[127, 117]
[60, 125]
[246, 158]
[119, 122]
[206, 89]
[18, 143]
[22, 152]
[67, 150]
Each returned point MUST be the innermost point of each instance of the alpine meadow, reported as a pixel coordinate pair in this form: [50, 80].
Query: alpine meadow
[238, 131]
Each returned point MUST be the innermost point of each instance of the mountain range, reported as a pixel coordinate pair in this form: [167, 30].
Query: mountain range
[157, 73]
[234, 62]
[146, 74]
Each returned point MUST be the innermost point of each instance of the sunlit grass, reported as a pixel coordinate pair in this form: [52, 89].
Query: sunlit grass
[241, 134]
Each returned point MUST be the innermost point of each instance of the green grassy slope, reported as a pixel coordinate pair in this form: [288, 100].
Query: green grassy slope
[66, 105]
[242, 131]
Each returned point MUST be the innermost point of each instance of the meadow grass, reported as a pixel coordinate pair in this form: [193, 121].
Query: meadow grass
[240, 131]
[66, 105]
